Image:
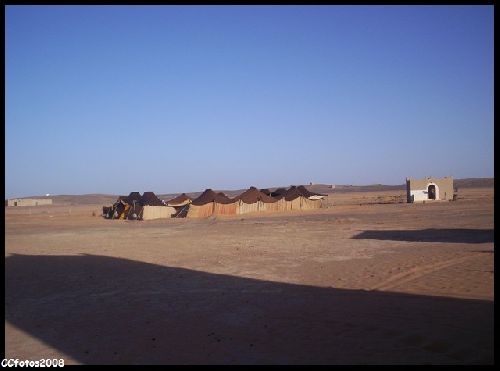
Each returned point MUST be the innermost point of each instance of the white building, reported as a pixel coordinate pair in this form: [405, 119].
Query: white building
[29, 201]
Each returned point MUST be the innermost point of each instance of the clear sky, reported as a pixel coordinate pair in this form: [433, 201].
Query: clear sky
[114, 99]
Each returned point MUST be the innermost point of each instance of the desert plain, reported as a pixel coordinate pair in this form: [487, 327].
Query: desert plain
[369, 279]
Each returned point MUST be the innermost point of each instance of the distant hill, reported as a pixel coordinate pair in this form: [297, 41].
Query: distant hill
[457, 183]
[88, 199]
[325, 189]
[104, 199]
[474, 183]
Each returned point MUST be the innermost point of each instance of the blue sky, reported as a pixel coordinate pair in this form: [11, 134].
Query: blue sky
[114, 99]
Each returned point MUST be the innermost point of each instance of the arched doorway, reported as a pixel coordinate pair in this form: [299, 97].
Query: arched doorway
[431, 192]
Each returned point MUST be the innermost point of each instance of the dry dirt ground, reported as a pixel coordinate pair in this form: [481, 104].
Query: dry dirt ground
[368, 280]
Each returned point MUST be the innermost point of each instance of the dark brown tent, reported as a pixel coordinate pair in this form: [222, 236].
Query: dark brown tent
[123, 198]
[253, 195]
[150, 199]
[210, 196]
[179, 199]
[266, 191]
[305, 192]
[134, 196]
[278, 193]
[132, 205]
[292, 193]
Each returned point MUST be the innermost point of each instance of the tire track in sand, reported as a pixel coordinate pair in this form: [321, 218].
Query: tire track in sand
[417, 272]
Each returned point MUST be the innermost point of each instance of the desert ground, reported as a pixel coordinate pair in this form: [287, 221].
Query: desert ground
[369, 279]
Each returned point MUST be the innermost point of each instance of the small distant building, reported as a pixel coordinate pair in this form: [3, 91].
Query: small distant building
[29, 201]
[419, 190]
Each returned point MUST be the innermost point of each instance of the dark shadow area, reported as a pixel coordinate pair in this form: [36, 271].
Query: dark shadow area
[107, 310]
[459, 235]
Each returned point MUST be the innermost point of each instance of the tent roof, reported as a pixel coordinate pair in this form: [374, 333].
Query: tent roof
[266, 191]
[304, 190]
[279, 192]
[179, 199]
[150, 199]
[134, 196]
[292, 193]
[210, 196]
[253, 195]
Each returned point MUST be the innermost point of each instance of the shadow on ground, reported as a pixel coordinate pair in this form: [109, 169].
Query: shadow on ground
[107, 310]
[460, 235]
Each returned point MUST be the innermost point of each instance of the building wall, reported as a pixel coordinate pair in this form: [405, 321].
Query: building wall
[417, 189]
[157, 212]
[29, 201]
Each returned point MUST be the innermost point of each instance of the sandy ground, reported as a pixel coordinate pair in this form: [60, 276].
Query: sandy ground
[369, 280]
